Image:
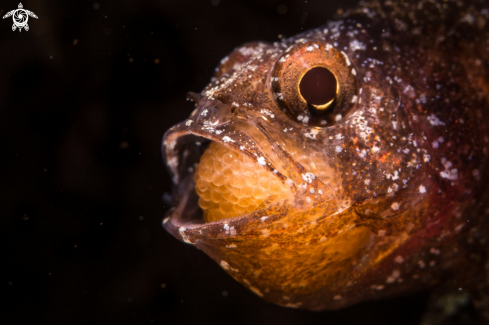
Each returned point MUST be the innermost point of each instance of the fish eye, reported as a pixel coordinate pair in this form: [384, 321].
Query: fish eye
[314, 84]
[318, 87]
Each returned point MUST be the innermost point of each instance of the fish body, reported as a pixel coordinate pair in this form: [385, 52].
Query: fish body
[384, 186]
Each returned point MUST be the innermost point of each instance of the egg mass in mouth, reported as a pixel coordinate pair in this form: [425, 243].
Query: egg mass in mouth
[230, 184]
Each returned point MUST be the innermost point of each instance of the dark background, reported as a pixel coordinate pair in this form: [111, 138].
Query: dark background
[85, 98]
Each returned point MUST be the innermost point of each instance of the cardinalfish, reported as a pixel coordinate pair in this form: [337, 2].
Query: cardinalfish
[347, 163]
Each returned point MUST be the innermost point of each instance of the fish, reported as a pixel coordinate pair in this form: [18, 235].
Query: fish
[347, 163]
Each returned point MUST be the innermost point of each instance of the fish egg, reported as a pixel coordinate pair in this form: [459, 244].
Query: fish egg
[230, 183]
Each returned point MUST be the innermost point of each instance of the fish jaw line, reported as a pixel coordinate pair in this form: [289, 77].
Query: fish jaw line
[306, 190]
[175, 220]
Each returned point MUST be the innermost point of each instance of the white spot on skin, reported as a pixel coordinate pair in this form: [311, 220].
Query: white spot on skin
[353, 72]
[338, 118]
[338, 149]
[390, 279]
[394, 276]
[367, 181]
[459, 227]
[435, 251]
[267, 112]
[170, 144]
[278, 96]
[395, 206]
[422, 189]
[227, 139]
[173, 162]
[263, 218]
[399, 259]
[435, 120]
[394, 177]
[468, 18]
[229, 230]
[188, 122]
[310, 48]
[355, 45]
[409, 90]
[312, 134]
[225, 266]
[261, 161]
[451, 174]
[377, 287]
[204, 112]
[354, 99]
[184, 236]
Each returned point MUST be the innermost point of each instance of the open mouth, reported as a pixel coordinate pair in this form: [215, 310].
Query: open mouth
[227, 168]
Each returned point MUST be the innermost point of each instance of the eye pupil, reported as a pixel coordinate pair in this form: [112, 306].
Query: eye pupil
[318, 86]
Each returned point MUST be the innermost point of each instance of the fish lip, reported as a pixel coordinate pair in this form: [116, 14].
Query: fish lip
[191, 231]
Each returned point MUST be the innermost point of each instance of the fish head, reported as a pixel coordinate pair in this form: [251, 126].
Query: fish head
[303, 173]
